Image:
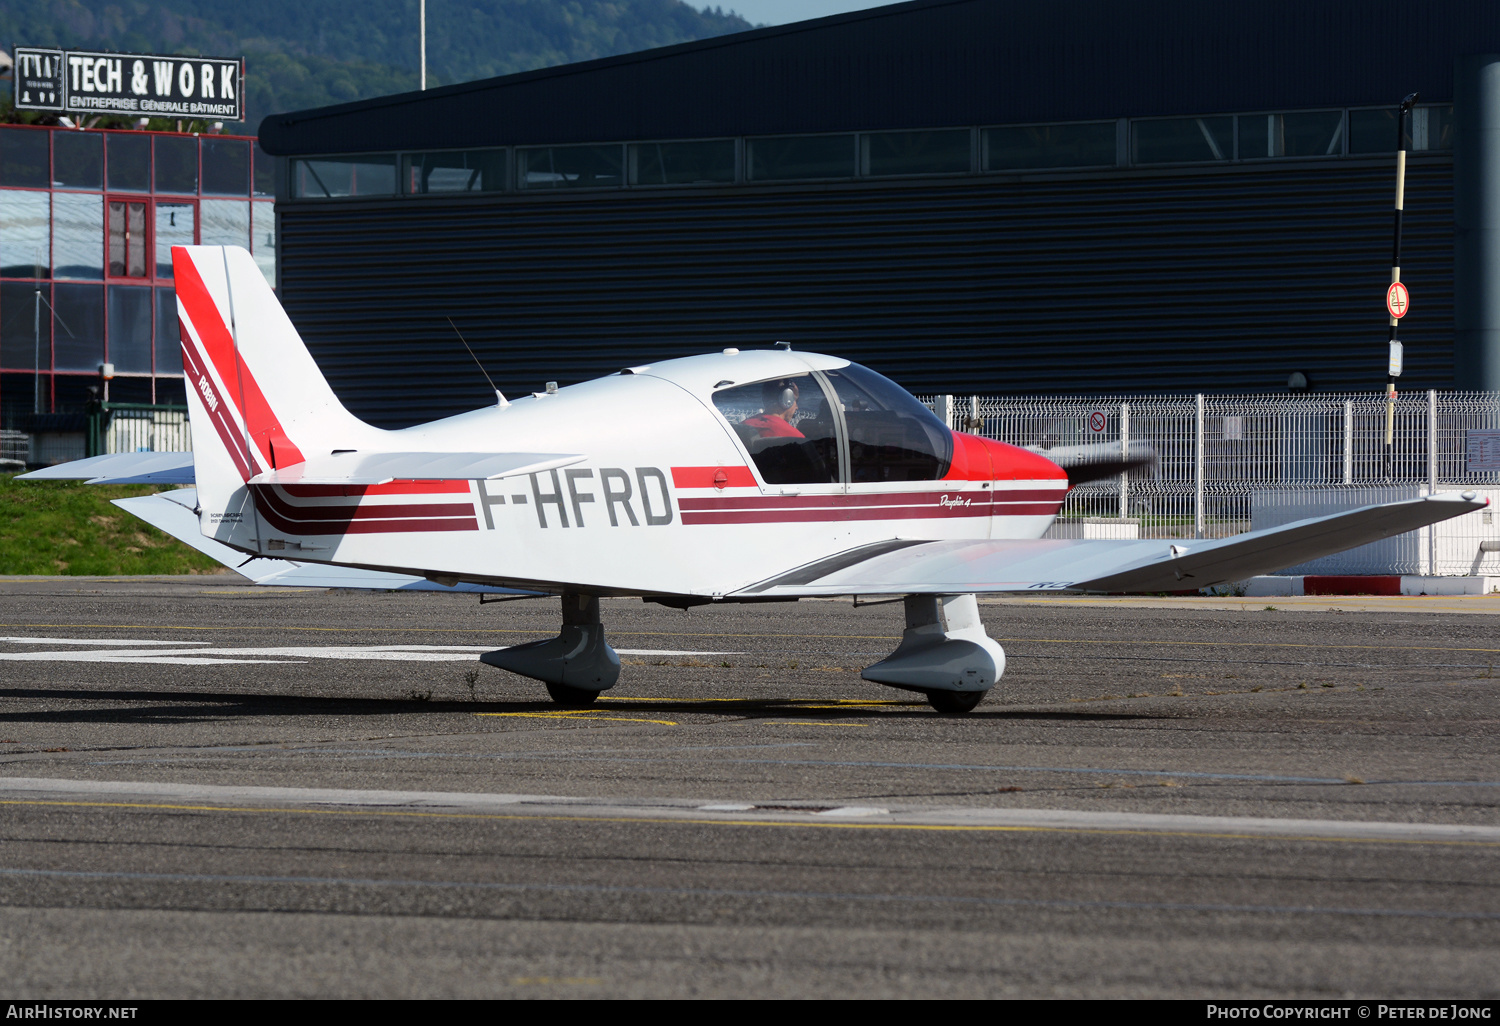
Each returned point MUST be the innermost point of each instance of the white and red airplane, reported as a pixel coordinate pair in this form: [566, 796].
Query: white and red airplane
[732, 477]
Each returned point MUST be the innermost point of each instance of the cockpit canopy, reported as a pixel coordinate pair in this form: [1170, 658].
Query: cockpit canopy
[845, 425]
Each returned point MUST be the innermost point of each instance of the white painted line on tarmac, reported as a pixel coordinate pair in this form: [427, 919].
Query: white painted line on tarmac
[937, 817]
[94, 641]
[203, 654]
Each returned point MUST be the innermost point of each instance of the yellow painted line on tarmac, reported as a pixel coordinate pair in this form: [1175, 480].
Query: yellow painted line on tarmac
[692, 821]
[814, 723]
[579, 714]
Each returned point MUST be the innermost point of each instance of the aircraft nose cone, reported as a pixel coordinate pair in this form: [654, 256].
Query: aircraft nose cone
[1012, 463]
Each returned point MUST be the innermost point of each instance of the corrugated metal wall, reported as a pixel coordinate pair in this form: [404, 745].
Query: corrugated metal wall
[1137, 281]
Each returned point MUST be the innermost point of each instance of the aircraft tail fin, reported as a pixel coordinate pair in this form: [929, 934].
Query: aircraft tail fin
[256, 399]
[249, 375]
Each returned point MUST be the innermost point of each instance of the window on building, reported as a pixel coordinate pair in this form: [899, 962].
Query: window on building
[1040, 147]
[77, 327]
[454, 171]
[335, 177]
[226, 167]
[170, 391]
[168, 333]
[915, 153]
[1314, 133]
[175, 224]
[1182, 140]
[78, 235]
[892, 437]
[25, 234]
[23, 158]
[71, 392]
[176, 163]
[130, 329]
[127, 239]
[25, 328]
[265, 173]
[682, 163]
[1374, 131]
[224, 223]
[78, 160]
[571, 167]
[129, 158]
[263, 239]
[801, 156]
[788, 427]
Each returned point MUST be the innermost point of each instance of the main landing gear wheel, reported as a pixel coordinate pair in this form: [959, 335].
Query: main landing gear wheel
[573, 698]
[954, 701]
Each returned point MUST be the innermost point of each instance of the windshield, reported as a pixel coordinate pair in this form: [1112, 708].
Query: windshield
[892, 437]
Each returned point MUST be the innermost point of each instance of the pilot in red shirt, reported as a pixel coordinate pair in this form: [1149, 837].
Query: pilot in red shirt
[780, 404]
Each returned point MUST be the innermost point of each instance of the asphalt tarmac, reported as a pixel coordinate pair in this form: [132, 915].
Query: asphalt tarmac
[208, 789]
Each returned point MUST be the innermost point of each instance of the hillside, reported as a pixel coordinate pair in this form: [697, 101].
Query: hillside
[306, 53]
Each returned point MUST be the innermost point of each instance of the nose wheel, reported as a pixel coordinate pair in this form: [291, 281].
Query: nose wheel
[571, 698]
[954, 701]
[944, 654]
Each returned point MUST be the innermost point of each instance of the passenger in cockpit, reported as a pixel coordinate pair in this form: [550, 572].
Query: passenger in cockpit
[779, 406]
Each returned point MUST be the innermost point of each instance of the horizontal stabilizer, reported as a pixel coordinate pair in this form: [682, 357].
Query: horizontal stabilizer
[1056, 564]
[172, 513]
[354, 468]
[121, 468]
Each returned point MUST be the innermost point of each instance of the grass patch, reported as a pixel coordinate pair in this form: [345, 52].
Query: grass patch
[67, 527]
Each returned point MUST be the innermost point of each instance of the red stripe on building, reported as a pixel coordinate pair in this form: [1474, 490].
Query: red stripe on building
[704, 477]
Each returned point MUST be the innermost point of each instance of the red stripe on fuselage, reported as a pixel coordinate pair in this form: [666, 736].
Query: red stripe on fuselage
[844, 500]
[290, 519]
[265, 428]
[267, 495]
[390, 488]
[228, 431]
[797, 516]
[703, 477]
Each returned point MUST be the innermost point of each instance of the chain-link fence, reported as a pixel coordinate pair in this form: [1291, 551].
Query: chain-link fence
[1231, 463]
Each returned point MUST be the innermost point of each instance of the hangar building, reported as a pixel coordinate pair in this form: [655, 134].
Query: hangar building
[1008, 196]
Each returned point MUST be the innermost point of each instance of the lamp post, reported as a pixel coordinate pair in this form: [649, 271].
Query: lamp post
[1396, 295]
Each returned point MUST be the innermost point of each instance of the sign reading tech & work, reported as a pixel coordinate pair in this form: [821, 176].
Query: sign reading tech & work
[92, 82]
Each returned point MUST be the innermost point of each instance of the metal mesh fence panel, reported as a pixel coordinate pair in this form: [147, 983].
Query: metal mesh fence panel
[1230, 463]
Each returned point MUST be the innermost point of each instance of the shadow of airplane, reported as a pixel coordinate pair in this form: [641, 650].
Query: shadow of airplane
[200, 707]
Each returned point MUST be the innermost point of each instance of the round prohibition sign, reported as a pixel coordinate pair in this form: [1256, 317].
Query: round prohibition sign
[1097, 421]
[1397, 300]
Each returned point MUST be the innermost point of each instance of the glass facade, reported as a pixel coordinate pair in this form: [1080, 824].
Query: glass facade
[87, 222]
[1001, 149]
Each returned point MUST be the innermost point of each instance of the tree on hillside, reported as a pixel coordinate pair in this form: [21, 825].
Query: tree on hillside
[308, 53]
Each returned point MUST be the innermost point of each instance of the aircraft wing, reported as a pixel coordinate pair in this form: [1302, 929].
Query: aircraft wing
[121, 468]
[958, 567]
[172, 512]
[355, 468]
